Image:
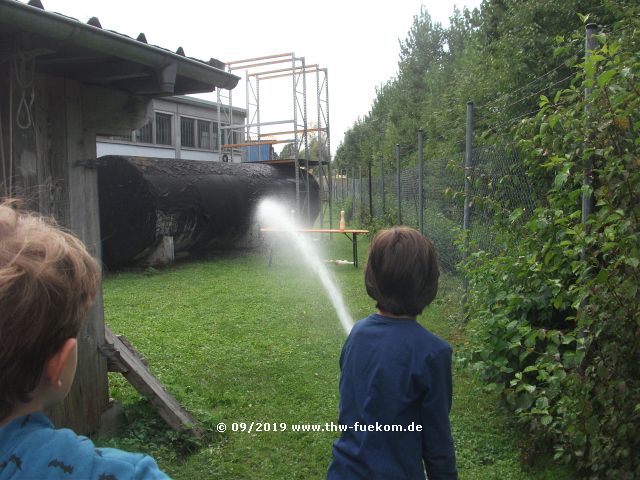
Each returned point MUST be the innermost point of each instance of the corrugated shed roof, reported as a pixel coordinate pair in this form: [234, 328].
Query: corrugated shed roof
[63, 46]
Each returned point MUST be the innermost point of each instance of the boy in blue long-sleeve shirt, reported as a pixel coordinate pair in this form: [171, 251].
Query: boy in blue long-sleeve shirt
[48, 281]
[395, 384]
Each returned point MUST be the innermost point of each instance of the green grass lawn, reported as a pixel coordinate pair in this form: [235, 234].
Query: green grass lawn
[237, 341]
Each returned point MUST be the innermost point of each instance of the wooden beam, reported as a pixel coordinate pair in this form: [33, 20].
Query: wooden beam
[269, 77]
[289, 132]
[124, 358]
[313, 67]
[248, 144]
[229, 146]
[260, 64]
[268, 57]
[77, 209]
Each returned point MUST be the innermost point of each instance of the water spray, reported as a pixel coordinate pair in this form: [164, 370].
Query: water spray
[274, 215]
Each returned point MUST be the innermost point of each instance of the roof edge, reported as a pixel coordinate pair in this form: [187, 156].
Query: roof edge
[61, 28]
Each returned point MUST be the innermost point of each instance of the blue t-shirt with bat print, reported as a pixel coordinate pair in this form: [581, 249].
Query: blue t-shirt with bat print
[31, 448]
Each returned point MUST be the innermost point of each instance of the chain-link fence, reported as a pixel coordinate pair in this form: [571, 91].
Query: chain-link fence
[497, 185]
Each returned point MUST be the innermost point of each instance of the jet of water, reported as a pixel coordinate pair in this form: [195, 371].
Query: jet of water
[274, 215]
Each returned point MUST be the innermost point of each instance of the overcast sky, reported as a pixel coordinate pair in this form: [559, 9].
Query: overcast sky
[357, 40]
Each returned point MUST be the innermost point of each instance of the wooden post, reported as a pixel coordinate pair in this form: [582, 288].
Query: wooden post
[66, 116]
[73, 148]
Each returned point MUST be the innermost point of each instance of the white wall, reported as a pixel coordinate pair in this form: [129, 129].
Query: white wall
[191, 107]
[134, 150]
[106, 147]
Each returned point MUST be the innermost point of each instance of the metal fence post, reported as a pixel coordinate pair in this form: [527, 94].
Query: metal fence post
[354, 199]
[420, 181]
[398, 190]
[467, 194]
[320, 189]
[361, 193]
[384, 207]
[330, 182]
[590, 43]
[370, 191]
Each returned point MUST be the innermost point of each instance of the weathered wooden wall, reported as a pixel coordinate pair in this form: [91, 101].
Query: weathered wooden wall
[55, 172]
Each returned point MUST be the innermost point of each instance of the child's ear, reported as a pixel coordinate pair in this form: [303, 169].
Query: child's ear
[54, 367]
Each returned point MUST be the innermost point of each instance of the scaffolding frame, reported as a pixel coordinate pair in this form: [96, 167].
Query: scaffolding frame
[294, 130]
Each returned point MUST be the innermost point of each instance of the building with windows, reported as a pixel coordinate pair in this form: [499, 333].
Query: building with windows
[180, 127]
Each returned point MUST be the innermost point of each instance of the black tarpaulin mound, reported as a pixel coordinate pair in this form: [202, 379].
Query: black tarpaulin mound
[202, 205]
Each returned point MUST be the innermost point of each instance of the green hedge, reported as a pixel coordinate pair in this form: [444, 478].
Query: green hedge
[557, 313]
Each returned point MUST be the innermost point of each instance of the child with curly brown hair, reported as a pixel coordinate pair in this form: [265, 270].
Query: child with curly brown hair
[48, 282]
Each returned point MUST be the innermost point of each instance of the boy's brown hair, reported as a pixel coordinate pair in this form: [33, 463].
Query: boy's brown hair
[402, 271]
[48, 281]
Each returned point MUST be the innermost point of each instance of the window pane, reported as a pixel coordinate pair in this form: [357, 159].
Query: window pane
[187, 138]
[215, 136]
[144, 134]
[204, 134]
[163, 129]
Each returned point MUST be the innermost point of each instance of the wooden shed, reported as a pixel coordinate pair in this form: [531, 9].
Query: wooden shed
[62, 82]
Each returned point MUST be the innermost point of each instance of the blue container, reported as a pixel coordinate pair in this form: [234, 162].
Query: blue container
[258, 153]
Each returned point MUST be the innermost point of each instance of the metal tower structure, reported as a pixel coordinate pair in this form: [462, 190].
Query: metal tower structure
[292, 130]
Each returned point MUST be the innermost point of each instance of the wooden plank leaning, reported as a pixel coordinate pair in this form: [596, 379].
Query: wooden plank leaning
[122, 357]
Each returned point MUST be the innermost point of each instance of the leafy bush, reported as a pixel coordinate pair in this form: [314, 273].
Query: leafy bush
[379, 222]
[557, 314]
